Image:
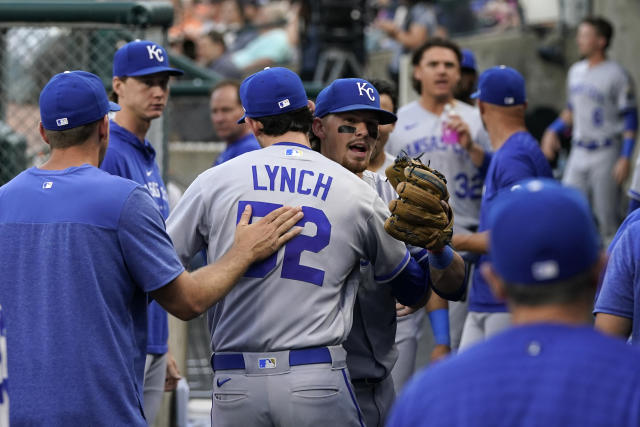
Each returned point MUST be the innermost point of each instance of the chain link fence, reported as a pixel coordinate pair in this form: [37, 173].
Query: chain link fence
[29, 57]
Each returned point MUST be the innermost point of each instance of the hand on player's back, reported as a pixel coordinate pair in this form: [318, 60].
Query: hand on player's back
[261, 239]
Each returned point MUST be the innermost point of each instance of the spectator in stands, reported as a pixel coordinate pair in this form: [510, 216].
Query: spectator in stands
[272, 45]
[212, 53]
[418, 25]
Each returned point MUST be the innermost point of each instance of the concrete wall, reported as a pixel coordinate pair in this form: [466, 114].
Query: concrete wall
[624, 15]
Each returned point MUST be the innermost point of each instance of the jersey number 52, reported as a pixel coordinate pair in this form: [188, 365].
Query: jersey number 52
[291, 267]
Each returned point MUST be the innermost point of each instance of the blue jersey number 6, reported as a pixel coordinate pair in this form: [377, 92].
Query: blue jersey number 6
[291, 268]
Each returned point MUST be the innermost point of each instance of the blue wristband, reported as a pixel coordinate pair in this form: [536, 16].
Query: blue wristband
[558, 126]
[440, 326]
[442, 259]
[627, 147]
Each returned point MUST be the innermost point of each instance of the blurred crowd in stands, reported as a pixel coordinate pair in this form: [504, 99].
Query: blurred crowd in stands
[237, 37]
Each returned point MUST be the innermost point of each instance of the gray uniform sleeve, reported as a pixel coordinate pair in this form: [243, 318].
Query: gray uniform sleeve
[388, 255]
[187, 223]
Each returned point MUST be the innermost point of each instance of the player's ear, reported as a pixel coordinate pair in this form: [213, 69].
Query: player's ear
[103, 129]
[311, 105]
[256, 126]
[318, 127]
[43, 134]
[116, 84]
[495, 282]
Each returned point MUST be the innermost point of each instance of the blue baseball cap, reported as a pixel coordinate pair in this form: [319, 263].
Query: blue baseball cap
[541, 232]
[271, 92]
[344, 95]
[141, 58]
[468, 60]
[501, 85]
[72, 99]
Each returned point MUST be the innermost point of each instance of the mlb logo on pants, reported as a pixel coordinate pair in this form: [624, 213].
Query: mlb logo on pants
[268, 363]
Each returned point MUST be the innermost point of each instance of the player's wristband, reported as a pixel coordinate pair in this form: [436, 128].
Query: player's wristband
[441, 260]
[627, 147]
[558, 126]
[440, 326]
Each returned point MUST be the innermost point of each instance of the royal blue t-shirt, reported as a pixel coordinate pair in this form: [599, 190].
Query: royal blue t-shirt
[519, 157]
[536, 375]
[621, 284]
[131, 158]
[243, 145]
[79, 250]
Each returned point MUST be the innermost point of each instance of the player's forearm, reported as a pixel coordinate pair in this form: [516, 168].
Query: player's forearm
[610, 324]
[190, 294]
[477, 155]
[474, 242]
[448, 280]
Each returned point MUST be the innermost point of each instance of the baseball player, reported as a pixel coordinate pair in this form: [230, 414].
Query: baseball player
[141, 74]
[502, 102]
[409, 328]
[468, 78]
[380, 158]
[79, 251]
[551, 368]
[225, 111]
[278, 356]
[602, 115]
[419, 130]
[371, 353]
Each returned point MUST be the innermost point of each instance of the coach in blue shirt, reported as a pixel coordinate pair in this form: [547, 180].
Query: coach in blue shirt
[502, 102]
[79, 251]
[551, 368]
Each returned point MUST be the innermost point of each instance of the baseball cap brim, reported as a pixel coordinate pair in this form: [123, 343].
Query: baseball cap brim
[113, 106]
[384, 117]
[154, 70]
[475, 94]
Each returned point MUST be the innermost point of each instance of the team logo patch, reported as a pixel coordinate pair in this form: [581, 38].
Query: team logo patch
[62, 122]
[284, 103]
[268, 363]
[47, 184]
[293, 152]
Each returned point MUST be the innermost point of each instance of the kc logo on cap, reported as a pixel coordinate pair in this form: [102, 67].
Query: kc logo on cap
[352, 94]
[141, 58]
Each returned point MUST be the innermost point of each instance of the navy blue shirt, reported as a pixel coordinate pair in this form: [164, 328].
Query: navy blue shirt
[241, 146]
[519, 157]
[131, 158]
[79, 250]
[536, 375]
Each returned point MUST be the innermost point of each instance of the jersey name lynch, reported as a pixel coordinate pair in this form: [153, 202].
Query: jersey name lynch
[292, 180]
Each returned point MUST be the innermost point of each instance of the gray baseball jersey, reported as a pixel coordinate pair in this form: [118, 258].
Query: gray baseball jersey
[597, 96]
[420, 131]
[302, 296]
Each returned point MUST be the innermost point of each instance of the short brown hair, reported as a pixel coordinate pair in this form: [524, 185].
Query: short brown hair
[70, 137]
